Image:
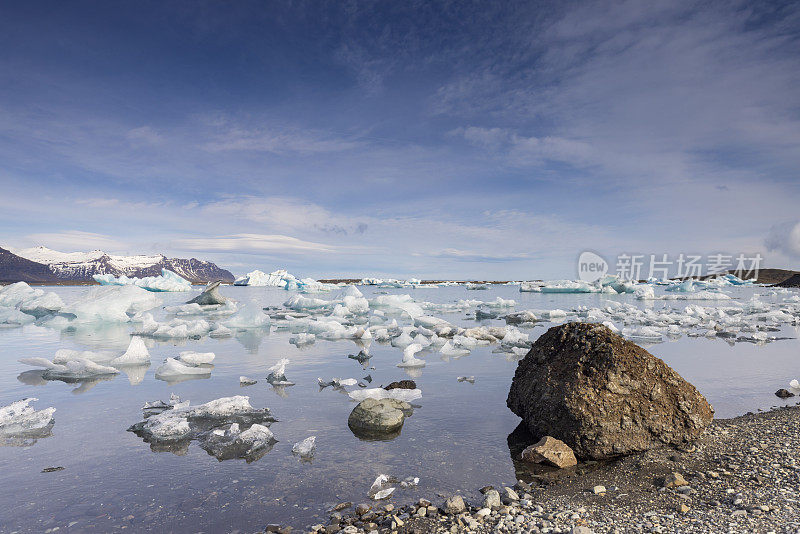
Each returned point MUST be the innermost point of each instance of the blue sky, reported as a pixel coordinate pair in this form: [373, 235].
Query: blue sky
[430, 139]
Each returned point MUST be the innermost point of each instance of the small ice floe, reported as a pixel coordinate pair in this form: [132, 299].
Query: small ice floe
[470, 379]
[21, 425]
[337, 383]
[409, 360]
[233, 442]
[794, 384]
[249, 316]
[379, 490]
[69, 369]
[302, 339]
[137, 354]
[405, 395]
[277, 375]
[477, 287]
[190, 357]
[218, 426]
[305, 449]
[173, 370]
[246, 381]
[362, 357]
[409, 482]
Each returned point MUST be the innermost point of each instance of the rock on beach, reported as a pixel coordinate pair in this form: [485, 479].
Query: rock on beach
[603, 395]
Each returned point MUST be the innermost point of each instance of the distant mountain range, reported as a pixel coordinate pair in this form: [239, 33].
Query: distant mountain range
[41, 264]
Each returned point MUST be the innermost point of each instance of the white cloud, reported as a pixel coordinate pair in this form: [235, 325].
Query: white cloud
[785, 238]
[263, 243]
[76, 240]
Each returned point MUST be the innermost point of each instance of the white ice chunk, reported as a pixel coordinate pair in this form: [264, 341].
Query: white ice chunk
[173, 368]
[250, 316]
[168, 281]
[409, 360]
[406, 395]
[19, 419]
[305, 448]
[191, 357]
[137, 353]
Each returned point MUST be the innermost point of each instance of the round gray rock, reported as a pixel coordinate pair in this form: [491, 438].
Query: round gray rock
[385, 415]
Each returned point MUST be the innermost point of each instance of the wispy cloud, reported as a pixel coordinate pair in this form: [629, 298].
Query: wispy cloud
[76, 240]
[254, 243]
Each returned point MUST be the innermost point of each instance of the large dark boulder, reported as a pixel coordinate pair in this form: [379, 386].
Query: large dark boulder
[603, 395]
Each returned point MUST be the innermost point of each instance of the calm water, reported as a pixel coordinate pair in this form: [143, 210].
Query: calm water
[455, 440]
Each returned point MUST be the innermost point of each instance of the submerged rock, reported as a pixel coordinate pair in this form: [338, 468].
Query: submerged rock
[378, 416]
[602, 395]
[550, 451]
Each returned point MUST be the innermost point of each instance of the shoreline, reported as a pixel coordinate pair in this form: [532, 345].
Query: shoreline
[742, 475]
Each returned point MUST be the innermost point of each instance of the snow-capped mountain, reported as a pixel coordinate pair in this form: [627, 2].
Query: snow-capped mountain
[82, 266]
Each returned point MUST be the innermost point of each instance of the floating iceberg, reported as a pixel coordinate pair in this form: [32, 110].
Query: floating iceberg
[111, 304]
[168, 281]
[10, 317]
[190, 357]
[174, 370]
[261, 279]
[282, 279]
[302, 339]
[32, 302]
[21, 425]
[569, 286]
[137, 354]
[305, 449]
[405, 395]
[246, 381]
[409, 360]
[277, 375]
[216, 425]
[250, 316]
[230, 443]
[72, 369]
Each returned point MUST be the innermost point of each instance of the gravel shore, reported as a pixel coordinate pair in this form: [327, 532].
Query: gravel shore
[741, 476]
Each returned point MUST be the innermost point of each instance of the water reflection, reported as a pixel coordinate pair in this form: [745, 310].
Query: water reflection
[36, 377]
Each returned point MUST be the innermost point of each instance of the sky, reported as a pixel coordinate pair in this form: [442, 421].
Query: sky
[470, 140]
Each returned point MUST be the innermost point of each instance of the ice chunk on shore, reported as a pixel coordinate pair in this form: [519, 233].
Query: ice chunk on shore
[20, 423]
[137, 353]
[406, 395]
[168, 281]
[305, 449]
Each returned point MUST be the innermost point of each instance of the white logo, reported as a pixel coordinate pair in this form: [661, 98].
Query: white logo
[591, 267]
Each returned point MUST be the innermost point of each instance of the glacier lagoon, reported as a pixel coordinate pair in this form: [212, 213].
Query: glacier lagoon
[455, 439]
